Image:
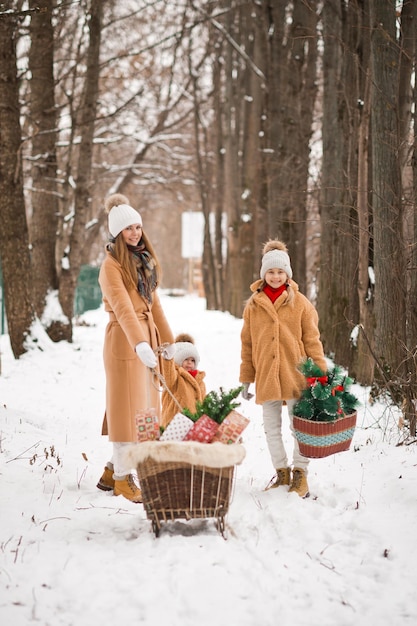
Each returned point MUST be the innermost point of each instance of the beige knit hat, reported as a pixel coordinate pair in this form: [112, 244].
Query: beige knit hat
[275, 255]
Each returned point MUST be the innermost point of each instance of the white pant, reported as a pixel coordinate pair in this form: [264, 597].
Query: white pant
[272, 414]
[118, 459]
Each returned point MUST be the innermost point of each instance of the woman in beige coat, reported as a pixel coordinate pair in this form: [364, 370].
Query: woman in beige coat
[184, 381]
[128, 278]
[280, 330]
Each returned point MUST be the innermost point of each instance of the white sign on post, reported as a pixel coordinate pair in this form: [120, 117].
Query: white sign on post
[192, 231]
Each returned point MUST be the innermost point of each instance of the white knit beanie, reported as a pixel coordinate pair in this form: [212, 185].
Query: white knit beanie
[276, 259]
[120, 217]
[185, 350]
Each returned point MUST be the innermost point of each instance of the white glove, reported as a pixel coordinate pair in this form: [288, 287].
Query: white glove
[169, 351]
[146, 354]
[245, 392]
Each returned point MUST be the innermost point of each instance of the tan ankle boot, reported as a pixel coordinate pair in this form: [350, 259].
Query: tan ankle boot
[299, 482]
[282, 478]
[127, 487]
[106, 482]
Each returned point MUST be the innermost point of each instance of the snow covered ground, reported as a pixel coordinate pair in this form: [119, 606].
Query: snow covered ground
[72, 555]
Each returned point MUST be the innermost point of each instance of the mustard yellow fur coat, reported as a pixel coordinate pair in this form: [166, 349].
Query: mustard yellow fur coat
[185, 388]
[275, 339]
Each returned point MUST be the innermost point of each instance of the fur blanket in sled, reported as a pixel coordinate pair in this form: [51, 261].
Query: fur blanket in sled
[206, 454]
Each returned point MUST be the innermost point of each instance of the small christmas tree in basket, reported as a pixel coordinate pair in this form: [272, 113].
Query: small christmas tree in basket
[325, 415]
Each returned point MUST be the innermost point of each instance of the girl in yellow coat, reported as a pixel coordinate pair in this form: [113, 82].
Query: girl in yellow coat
[137, 326]
[184, 381]
[280, 330]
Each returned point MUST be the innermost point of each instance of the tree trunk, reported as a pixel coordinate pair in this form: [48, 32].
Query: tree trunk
[412, 299]
[44, 196]
[14, 240]
[412, 309]
[405, 95]
[338, 298]
[390, 291]
[203, 173]
[296, 53]
[364, 365]
[407, 112]
[215, 248]
[232, 164]
[252, 232]
[275, 65]
[261, 201]
[82, 199]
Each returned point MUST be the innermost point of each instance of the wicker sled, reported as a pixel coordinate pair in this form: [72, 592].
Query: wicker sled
[186, 480]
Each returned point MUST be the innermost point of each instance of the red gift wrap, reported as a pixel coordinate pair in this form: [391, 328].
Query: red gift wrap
[231, 428]
[203, 430]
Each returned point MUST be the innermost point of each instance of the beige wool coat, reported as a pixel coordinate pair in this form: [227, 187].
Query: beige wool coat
[276, 338]
[129, 383]
[185, 388]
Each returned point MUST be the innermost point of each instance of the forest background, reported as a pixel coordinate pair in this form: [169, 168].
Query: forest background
[280, 119]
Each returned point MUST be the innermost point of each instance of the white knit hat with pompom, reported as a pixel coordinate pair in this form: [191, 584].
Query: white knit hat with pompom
[121, 214]
[184, 349]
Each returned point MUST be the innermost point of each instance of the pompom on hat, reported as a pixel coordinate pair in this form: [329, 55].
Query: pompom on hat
[184, 349]
[121, 214]
[275, 255]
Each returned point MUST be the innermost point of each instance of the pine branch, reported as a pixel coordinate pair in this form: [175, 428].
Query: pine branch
[216, 405]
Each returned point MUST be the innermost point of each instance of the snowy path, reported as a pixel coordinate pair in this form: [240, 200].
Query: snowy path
[74, 556]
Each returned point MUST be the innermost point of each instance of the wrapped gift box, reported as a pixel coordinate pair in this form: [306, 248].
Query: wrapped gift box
[203, 430]
[177, 428]
[147, 425]
[231, 428]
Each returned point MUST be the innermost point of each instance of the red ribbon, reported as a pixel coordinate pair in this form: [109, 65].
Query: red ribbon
[313, 380]
[338, 388]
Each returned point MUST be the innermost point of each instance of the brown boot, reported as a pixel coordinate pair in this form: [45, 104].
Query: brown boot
[106, 482]
[299, 482]
[127, 487]
[282, 478]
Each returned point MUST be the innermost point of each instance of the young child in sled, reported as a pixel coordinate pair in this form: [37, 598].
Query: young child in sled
[184, 381]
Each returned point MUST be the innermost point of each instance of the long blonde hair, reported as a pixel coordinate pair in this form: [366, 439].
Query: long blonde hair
[118, 249]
